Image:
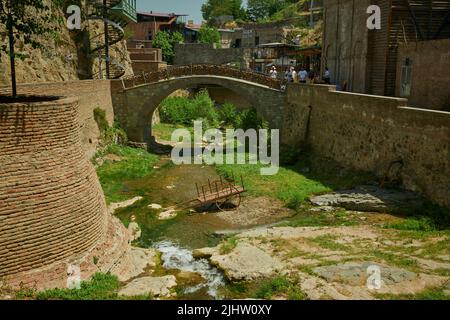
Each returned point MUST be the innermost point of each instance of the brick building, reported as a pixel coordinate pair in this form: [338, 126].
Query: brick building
[368, 59]
[149, 23]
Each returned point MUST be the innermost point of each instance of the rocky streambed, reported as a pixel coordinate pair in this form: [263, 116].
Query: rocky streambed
[337, 247]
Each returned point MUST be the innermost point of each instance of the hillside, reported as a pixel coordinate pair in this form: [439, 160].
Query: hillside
[64, 55]
[298, 17]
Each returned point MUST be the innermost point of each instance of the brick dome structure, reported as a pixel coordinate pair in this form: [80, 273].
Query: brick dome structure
[52, 208]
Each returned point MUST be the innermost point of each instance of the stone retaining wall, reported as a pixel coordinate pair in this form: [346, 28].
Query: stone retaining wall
[200, 53]
[371, 133]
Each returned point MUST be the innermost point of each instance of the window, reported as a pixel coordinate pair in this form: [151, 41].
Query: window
[406, 79]
[256, 41]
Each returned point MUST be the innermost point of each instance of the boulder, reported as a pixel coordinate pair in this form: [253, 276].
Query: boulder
[134, 230]
[371, 199]
[247, 262]
[156, 286]
[134, 263]
[355, 273]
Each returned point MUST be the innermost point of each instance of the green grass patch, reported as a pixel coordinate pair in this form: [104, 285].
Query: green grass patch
[293, 184]
[164, 130]
[395, 259]
[136, 164]
[100, 287]
[228, 245]
[427, 294]
[279, 286]
[413, 224]
[288, 185]
[329, 242]
[319, 219]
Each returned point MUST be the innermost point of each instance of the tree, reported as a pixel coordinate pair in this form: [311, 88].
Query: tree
[208, 34]
[217, 8]
[23, 22]
[263, 9]
[166, 41]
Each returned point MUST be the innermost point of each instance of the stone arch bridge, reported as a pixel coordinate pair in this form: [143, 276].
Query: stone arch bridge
[135, 99]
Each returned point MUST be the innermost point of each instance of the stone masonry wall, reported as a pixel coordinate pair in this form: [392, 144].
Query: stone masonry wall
[52, 207]
[90, 93]
[195, 53]
[370, 133]
[430, 84]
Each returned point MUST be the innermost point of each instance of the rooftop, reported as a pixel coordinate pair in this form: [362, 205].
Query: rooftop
[161, 14]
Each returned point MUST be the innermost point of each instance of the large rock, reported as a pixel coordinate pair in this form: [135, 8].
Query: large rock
[120, 205]
[246, 262]
[371, 199]
[134, 263]
[134, 230]
[355, 273]
[156, 286]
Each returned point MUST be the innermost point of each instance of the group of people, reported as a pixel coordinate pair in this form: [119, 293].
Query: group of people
[301, 76]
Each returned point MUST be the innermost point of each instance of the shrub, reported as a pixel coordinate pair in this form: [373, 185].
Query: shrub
[181, 110]
[208, 34]
[166, 41]
[100, 119]
[228, 245]
[109, 135]
[249, 119]
[229, 115]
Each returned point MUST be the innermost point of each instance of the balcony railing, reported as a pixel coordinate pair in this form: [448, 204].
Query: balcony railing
[126, 9]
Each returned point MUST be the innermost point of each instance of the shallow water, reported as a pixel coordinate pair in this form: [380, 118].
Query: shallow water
[177, 257]
[176, 238]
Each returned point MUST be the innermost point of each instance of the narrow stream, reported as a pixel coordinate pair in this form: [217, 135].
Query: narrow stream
[177, 238]
[176, 257]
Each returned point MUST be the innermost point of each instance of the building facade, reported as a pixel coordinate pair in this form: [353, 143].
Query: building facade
[367, 59]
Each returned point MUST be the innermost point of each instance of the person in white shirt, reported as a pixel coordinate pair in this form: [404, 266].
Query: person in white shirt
[273, 73]
[293, 75]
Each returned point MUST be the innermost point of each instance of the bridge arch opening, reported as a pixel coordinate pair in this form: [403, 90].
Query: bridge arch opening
[160, 127]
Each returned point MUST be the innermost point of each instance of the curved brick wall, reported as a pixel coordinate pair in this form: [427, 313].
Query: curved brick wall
[52, 208]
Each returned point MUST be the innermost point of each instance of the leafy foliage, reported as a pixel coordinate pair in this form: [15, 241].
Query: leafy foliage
[180, 110]
[166, 41]
[216, 8]
[249, 119]
[258, 10]
[228, 245]
[229, 115]
[209, 35]
[109, 134]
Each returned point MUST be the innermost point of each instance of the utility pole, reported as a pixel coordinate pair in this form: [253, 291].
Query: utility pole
[105, 14]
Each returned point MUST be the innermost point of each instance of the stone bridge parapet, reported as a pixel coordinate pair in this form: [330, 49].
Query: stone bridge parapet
[201, 70]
